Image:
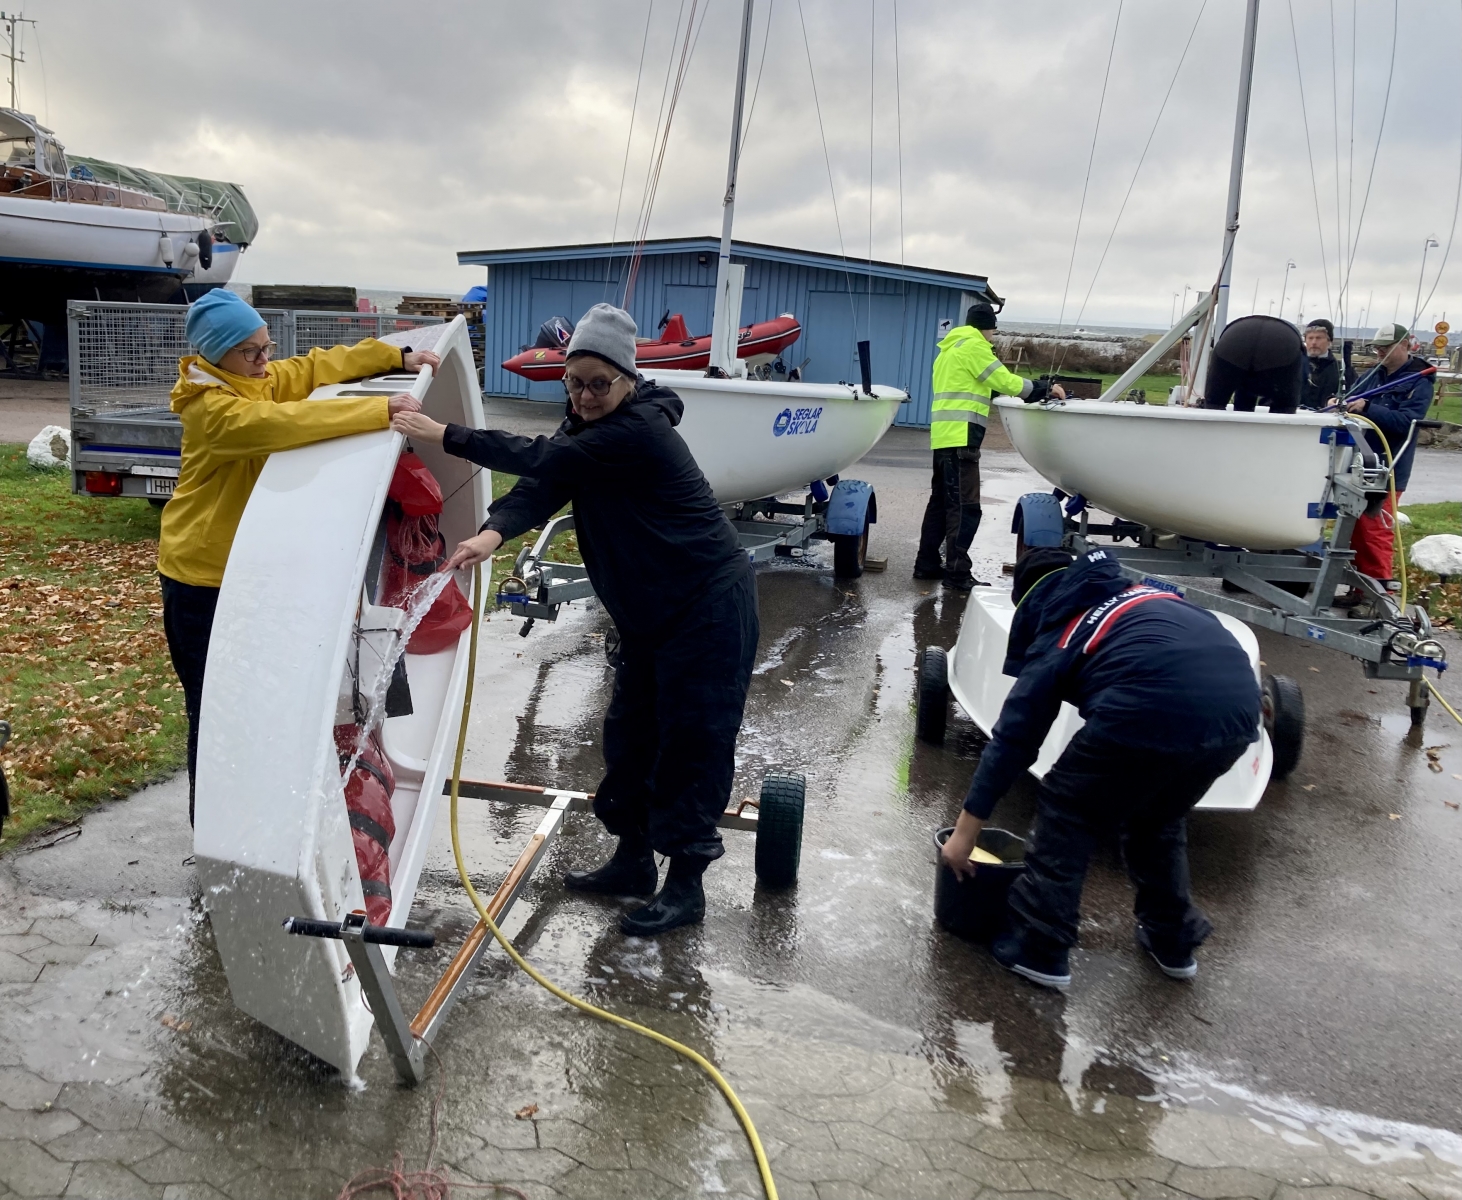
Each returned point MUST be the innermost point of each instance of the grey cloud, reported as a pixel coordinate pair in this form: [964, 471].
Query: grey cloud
[377, 140]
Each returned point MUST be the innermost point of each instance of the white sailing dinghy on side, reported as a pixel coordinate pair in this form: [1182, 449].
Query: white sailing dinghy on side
[298, 640]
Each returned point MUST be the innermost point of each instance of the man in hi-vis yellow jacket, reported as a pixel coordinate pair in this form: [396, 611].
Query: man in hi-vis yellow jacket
[966, 373]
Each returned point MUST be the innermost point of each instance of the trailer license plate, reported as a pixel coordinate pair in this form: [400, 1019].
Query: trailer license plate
[161, 487]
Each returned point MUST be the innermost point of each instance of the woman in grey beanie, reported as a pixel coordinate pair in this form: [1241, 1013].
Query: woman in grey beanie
[667, 566]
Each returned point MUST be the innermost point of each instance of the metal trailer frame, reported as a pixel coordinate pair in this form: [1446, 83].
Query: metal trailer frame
[1389, 643]
[124, 362]
[538, 586]
[405, 1038]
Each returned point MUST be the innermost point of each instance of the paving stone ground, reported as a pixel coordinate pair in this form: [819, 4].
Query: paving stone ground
[126, 1072]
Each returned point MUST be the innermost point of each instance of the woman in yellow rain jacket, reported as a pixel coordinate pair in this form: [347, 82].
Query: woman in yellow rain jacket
[237, 408]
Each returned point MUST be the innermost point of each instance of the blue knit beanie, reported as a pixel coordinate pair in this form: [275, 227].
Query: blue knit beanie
[219, 321]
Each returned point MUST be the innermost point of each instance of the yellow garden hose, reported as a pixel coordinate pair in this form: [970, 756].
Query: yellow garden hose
[762, 1166]
[1391, 490]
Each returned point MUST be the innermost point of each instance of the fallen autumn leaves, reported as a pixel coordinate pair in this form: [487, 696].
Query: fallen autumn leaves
[85, 680]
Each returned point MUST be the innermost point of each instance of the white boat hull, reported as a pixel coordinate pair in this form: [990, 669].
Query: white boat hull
[272, 836]
[755, 439]
[980, 688]
[1236, 479]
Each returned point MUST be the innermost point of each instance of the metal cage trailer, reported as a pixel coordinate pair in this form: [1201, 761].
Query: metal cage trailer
[1290, 592]
[840, 511]
[775, 819]
[125, 440]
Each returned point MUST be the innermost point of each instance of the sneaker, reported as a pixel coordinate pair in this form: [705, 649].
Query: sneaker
[1049, 968]
[1174, 966]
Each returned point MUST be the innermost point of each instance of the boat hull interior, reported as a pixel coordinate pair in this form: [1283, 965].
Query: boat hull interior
[977, 683]
[272, 835]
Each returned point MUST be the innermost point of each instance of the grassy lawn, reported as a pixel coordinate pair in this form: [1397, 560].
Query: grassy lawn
[1446, 602]
[1448, 406]
[85, 680]
[1157, 387]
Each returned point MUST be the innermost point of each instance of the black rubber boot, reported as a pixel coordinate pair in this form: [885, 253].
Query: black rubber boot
[680, 902]
[631, 872]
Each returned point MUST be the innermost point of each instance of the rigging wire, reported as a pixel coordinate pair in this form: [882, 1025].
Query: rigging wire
[1456, 204]
[755, 91]
[1380, 133]
[624, 167]
[1339, 310]
[1350, 164]
[687, 50]
[1314, 185]
[872, 94]
[1086, 182]
[827, 159]
[1162, 108]
[899, 141]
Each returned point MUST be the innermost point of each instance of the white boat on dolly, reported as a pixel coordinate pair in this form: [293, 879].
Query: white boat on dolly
[300, 647]
[972, 675]
[296, 624]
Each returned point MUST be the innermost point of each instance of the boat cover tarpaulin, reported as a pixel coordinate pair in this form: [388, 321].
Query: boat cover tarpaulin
[225, 202]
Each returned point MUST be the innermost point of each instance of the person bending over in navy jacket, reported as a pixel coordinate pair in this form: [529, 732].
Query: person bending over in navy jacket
[668, 568]
[1170, 703]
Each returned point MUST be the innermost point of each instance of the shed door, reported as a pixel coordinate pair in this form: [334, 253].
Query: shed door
[565, 298]
[831, 332]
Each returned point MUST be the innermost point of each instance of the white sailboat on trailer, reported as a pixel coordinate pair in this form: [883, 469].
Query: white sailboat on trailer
[1240, 479]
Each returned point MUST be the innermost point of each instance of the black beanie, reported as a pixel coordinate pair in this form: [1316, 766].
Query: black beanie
[1035, 565]
[981, 315]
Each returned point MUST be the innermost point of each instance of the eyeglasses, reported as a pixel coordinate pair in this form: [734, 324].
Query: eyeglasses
[598, 388]
[253, 354]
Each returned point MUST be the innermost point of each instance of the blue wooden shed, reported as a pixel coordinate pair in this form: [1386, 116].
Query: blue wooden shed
[839, 302]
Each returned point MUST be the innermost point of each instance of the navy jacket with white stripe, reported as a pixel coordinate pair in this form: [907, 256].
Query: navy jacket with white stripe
[1147, 671]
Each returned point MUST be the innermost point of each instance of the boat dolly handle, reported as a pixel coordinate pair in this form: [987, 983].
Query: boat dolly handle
[355, 925]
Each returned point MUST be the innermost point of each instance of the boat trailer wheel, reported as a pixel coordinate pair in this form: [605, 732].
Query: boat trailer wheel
[1282, 705]
[931, 712]
[779, 829]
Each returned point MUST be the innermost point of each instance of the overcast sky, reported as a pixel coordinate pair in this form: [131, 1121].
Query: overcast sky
[376, 140]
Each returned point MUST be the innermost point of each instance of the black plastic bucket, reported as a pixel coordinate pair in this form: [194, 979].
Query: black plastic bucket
[975, 908]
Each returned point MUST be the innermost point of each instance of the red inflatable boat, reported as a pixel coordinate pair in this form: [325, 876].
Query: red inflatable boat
[675, 350]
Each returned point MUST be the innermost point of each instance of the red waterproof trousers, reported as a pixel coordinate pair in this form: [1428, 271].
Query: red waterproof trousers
[1374, 542]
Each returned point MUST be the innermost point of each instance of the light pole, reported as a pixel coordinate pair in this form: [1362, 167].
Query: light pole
[1173, 317]
[1289, 264]
[1425, 246]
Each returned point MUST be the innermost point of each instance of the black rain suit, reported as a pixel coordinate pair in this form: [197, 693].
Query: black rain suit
[1256, 358]
[667, 566]
[1170, 702]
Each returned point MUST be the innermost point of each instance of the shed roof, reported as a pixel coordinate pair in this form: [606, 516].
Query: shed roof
[703, 245]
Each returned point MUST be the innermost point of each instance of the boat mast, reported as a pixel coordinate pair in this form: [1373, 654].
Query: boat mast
[724, 323]
[11, 20]
[1236, 167]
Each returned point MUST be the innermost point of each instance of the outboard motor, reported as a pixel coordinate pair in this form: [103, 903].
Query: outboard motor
[554, 334]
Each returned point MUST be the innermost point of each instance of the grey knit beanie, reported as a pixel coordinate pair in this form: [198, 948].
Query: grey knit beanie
[608, 333]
